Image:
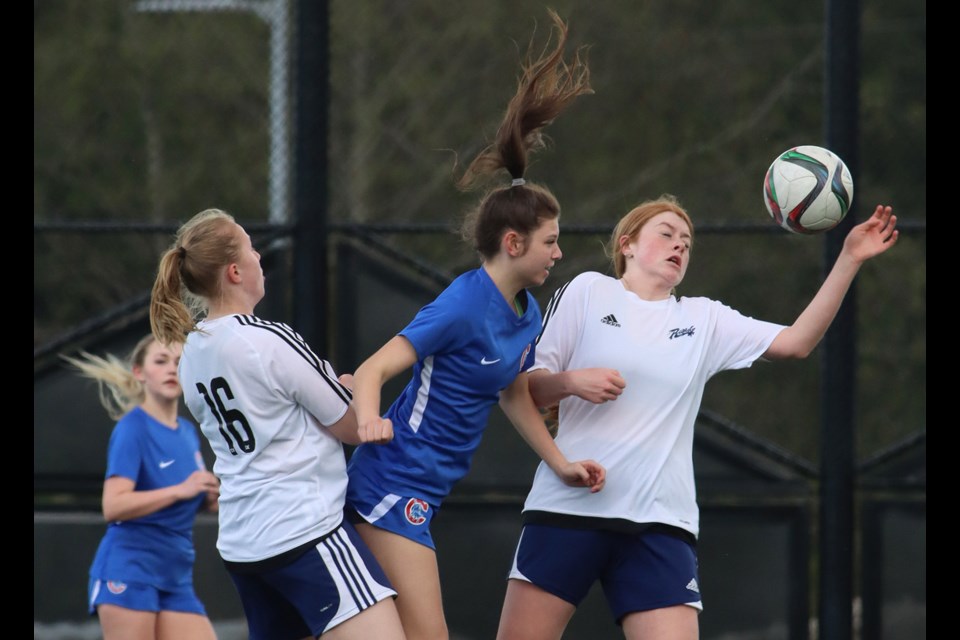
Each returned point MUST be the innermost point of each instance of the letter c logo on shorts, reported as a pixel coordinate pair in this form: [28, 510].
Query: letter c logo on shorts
[416, 511]
[116, 587]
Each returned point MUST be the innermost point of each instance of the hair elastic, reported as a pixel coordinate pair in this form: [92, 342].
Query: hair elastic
[517, 182]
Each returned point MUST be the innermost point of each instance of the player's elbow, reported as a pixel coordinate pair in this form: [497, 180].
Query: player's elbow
[806, 351]
[798, 351]
[800, 354]
[791, 344]
[346, 430]
[539, 391]
[110, 514]
[540, 401]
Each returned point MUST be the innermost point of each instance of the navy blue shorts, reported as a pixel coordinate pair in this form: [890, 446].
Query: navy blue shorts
[638, 571]
[326, 585]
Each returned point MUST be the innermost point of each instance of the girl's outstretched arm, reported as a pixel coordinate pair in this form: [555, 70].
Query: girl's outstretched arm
[868, 239]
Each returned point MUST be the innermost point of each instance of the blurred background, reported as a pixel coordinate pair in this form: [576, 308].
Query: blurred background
[334, 132]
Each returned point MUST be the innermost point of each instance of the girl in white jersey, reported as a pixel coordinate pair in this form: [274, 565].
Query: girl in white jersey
[275, 415]
[469, 349]
[630, 340]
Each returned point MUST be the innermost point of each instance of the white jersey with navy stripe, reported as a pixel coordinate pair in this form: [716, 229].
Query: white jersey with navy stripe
[666, 350]
[470, 345]
[261, 397]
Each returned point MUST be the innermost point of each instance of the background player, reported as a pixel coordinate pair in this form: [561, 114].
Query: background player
[141, 578]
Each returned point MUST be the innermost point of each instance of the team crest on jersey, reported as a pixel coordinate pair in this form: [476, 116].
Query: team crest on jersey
[116, 588]
[523, 358]
[416, 511]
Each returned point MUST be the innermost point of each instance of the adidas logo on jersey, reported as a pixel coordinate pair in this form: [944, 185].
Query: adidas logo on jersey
[610, 320]
[693, 586]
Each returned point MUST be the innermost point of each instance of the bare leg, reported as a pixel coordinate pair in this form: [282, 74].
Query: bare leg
[119, 623]
[670, 623]
[175, 625]
[530, 613]
[380, 621]
[413, 572]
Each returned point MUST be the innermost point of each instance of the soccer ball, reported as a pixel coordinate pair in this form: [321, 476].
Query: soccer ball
[808, 189]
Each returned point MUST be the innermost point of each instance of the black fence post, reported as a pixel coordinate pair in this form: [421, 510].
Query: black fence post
[838, 385]
[310, 288]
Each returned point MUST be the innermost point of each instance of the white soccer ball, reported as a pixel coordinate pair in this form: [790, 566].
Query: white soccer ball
[808, 189]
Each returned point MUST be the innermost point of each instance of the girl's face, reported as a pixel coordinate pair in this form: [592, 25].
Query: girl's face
[249, 264]
[661, 249]
[158, 373]
[541, 251]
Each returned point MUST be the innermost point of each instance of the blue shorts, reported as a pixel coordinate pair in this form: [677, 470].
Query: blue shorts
[408, 516]
[142, 597]
[638, 571]
[327, 584]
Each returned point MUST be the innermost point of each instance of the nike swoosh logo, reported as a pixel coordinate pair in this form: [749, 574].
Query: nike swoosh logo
[484, 360]
[166, 463]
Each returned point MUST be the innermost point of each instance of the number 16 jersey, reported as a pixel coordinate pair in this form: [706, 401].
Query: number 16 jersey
[261, 397]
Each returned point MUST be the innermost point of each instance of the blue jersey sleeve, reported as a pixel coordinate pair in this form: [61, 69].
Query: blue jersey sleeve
[124, 455]
[438, 327]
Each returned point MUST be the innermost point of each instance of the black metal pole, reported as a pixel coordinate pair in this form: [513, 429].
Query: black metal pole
[310, 288]
[842, 77]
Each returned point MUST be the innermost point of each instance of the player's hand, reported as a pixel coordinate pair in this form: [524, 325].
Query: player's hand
[584, 473]
[346, 379]
[873, 236]
[598, 385]
[376, 430]
[196, 483]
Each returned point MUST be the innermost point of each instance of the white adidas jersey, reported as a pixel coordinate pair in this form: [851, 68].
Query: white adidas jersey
[666, 351]
[261, 397]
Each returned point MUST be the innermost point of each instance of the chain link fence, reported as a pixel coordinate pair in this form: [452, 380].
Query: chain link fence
[146, 112]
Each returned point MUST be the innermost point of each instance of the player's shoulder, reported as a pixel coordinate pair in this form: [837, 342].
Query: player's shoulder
[466, 294]
[702, 304]
[132, 426]
[260, 333]
[589, 279]
[700, 301]
[584, 282]
[467, 284]
[132, 419]
[245, 339]
[255, 325]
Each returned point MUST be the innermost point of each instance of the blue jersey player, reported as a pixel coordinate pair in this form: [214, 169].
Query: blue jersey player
[465, 347]
[469, 349]
[141, 579]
